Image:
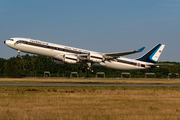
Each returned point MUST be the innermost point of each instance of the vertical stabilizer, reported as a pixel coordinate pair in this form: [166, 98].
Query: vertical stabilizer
[153, 55]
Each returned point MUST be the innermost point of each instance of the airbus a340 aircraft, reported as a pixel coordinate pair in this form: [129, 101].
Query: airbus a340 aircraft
[65, 54]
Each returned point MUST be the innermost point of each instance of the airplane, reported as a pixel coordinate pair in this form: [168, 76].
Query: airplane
[64, 54]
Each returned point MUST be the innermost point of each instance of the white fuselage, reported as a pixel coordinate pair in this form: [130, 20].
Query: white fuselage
[59, 51]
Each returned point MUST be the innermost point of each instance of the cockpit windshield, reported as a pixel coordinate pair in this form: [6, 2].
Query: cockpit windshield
[10, 39]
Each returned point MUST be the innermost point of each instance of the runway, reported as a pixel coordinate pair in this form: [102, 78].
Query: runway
[88, 85]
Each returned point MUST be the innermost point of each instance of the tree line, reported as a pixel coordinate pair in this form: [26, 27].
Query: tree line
[36, 65]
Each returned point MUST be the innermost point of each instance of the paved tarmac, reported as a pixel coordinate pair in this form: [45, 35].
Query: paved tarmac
[89, 85]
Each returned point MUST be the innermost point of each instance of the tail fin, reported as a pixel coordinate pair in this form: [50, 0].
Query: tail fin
[153, 55]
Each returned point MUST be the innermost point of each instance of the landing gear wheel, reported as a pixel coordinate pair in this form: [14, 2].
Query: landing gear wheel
[89, 69]
[80, 68]
[92, 71]
[84, 70]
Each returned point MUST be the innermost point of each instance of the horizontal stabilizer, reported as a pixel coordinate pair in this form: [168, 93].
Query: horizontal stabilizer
[165, 64]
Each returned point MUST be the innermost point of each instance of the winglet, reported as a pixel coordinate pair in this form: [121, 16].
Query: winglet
[141, 49]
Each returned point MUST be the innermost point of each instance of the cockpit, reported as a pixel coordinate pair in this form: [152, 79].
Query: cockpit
[10, 39]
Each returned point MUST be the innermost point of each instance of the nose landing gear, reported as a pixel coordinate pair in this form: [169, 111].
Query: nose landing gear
[18, 53]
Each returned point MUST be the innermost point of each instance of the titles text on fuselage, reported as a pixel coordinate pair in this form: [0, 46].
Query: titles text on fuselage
[34, 41]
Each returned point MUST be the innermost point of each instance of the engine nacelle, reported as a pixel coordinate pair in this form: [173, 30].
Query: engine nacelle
[96, 58]
[57, 61]
[67, 58]
[71, 59]
[59, 57]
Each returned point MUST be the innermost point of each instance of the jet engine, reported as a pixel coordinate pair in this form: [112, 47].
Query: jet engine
[57, 61]
[96, 58]
[67, 58]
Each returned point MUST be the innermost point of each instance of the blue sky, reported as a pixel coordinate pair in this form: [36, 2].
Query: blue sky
[100, 25]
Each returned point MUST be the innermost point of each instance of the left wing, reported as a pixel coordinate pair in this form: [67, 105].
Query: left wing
[115, 55]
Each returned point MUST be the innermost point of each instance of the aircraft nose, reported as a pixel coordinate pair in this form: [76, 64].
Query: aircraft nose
[4, 42]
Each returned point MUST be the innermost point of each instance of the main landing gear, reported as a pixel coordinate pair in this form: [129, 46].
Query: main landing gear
[90, 68]
[18, 53]
[87, 69]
